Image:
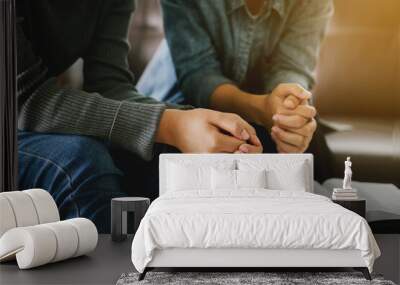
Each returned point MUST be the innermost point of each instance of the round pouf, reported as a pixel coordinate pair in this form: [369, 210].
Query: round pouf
[119, 209]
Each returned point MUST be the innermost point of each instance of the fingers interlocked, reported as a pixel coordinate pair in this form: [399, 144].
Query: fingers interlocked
[294, 123]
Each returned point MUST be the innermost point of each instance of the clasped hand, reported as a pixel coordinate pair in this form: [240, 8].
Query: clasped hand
[293, 122]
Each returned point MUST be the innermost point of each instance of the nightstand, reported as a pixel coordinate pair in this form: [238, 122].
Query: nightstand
[357, 206]
[119, 215]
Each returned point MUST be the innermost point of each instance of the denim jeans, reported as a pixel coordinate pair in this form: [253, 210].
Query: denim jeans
[82, 174]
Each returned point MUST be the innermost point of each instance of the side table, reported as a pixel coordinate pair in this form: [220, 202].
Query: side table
[357, 206]
[119, 218]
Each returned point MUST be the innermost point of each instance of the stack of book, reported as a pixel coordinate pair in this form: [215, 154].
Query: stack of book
[344, 194]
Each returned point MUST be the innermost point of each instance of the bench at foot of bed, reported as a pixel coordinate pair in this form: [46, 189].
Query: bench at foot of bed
[363, 270]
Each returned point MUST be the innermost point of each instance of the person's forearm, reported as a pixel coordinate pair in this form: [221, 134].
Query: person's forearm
[229, 98]
[128, 125]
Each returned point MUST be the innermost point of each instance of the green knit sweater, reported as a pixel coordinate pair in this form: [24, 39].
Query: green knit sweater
[52, 35]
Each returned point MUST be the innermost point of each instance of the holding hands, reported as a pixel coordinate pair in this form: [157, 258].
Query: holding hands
[207, 131]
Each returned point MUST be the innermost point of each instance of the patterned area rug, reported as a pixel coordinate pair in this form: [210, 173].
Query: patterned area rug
[243, 278]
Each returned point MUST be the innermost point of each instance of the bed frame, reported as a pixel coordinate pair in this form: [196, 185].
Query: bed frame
[235, 259]
[256, 259]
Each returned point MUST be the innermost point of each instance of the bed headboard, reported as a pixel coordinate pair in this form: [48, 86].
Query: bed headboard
[212, 159]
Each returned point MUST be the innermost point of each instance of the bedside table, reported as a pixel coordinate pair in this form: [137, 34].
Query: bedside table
[119, 219]
[357, 206]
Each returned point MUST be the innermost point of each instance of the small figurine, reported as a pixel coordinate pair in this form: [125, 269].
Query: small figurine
[347, 174]
[347, 192]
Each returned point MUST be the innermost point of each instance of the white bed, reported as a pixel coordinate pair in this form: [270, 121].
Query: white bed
[201, 220]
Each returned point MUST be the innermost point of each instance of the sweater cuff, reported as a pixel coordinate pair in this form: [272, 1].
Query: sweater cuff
[135, 126]
[201, 85]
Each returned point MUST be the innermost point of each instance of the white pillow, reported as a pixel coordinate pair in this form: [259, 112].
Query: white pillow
[251, 178]
[236, 179]
[290, 179]
[290, 175]
[223, 179]
[182, 176]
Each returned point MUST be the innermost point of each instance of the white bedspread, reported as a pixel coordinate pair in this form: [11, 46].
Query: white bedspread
[250, 219]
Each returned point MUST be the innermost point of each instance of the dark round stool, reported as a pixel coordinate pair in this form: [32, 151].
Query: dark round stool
[119, 218]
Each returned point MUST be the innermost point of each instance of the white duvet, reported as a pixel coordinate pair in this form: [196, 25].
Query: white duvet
[250, 219]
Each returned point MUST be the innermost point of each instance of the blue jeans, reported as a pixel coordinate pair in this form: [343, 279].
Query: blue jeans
[82, 174]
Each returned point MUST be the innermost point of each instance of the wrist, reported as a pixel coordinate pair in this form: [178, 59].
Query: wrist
[260, 109]
[229, 98]
[168, 127]
[251, 106]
